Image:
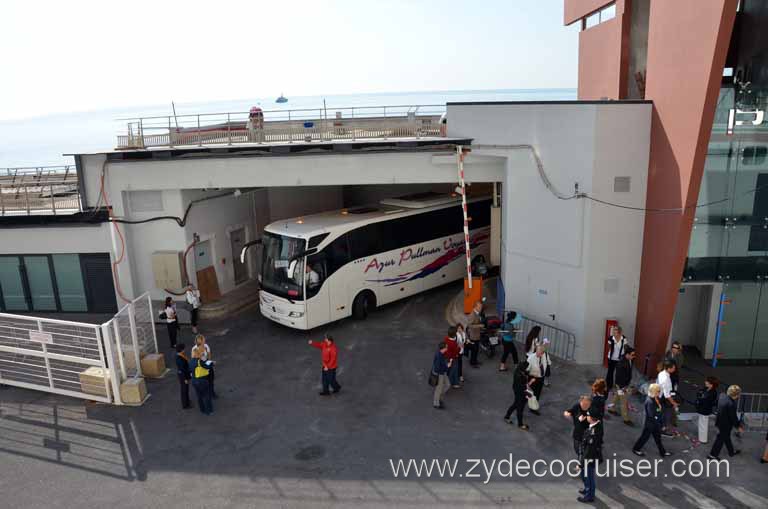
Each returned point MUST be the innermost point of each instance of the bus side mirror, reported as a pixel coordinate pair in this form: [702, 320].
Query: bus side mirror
[245, 248]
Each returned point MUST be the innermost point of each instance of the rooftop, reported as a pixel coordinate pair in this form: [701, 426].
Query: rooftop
[282, 126]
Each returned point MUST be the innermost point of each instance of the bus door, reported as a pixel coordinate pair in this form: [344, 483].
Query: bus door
[316, 290]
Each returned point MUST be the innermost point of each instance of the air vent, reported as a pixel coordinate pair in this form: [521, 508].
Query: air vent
[611, 285]
[146, 201]
[621, 184]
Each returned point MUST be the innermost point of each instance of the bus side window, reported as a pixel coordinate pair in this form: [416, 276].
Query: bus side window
[337, 254]
[315, 274]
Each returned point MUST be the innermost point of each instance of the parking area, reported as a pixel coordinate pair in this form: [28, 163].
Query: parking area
[273, 442]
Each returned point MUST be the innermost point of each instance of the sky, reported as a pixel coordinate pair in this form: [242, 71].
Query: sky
[66, 56]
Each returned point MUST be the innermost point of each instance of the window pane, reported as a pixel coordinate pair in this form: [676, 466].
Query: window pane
[365, 241]
[40, 285]
[10, 284]
[739, 317]
[69, 281]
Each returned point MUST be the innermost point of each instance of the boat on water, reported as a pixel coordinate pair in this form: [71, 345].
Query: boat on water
[282, 99]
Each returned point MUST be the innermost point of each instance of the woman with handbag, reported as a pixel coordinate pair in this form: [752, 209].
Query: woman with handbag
[520, 388]
[200, 371]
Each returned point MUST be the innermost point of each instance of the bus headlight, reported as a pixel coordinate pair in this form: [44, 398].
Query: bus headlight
[295, 314]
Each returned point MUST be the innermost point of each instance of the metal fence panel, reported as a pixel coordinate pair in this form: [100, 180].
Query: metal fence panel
[562, 343]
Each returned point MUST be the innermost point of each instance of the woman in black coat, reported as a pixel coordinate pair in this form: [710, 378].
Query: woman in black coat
[519, 386]
[653, 422]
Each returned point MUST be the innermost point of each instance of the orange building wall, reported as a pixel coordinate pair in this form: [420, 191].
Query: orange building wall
[687, 45]
[600, 61]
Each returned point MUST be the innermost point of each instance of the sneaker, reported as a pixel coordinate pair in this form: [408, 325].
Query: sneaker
[582, 491]
[737, 451]
[666, 454]
[455, 386]
[546, 383]
[441, 407]
[638, 453]
[585, 500]
[508, 420]
[712, 458]
[336, 391]
[524, 427]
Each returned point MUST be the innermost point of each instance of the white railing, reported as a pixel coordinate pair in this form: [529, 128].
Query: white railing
[283, 126]
[39, 190]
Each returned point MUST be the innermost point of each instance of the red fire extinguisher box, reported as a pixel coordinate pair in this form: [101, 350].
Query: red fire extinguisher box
[609, 324]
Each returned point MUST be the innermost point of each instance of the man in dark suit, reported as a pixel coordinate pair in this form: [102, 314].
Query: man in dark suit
[591, 453]
[727, 419]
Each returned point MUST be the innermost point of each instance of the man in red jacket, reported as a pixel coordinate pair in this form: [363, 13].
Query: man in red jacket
[329, 354]
[453, 354]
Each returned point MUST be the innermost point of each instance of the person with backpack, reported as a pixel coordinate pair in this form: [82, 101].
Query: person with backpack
[706, 404]
[508, 341]
[623, 379]
[199, 369]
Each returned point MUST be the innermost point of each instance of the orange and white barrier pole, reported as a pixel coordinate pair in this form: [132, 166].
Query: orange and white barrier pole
[460, 153]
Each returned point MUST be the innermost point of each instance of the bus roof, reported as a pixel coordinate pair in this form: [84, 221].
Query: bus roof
[343, 220]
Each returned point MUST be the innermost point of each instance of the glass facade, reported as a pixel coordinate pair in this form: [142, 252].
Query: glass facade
[729, 241]
[56, 282]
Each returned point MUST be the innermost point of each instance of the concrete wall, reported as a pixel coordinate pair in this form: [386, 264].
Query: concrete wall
[286, 202]
[557, 253]
[60, 239]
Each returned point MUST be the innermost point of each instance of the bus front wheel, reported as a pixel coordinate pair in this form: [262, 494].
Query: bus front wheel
[363, 304]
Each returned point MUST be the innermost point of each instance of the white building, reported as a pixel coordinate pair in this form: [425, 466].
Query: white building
[571, 263]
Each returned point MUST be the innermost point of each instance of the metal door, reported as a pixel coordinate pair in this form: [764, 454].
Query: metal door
[99, 286]
[237, 240]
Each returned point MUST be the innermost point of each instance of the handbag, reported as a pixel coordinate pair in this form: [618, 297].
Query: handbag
[200, 371]
[533, 403]
[163, 315]
[432, 379]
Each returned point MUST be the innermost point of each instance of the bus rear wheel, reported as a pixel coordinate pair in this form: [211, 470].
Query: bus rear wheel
[363, 304]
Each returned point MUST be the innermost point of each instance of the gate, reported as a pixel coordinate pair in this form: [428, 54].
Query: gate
[77, 359]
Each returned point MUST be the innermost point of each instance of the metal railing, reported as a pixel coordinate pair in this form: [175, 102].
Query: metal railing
[39, 190]
[283, 126]
[562, 343]
[81, 360]
[753, 409]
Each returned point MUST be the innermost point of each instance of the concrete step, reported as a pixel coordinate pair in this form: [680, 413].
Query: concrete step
[241, 297]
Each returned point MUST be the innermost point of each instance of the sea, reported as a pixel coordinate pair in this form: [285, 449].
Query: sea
[43, 141]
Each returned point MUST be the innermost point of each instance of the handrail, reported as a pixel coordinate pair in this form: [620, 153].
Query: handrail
[561, 342]
[282, 126]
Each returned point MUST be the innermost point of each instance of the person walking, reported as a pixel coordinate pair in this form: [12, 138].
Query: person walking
[193, 300]
[519, 388]
[205, 353]
[623, 379]
[183, 374]
[654, 416]
[330, 355]
[474, 329]
[599, 395]
[675, 354]
[664, 379]
[538, 363]
[617, 344]
[461, 339]
[578, 414]
[169, 312]
[591, 454]
[440, 368]
[727, 419]
[453, 356]
[508, 341]
[706, 403]
[532, 340]
[200, 370]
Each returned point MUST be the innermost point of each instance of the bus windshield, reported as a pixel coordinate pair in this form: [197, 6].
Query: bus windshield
[281, 273]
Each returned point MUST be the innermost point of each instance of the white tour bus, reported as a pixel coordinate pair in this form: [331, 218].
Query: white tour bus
[324, 267]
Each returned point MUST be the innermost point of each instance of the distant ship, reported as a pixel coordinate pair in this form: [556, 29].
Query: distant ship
[281, 99]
